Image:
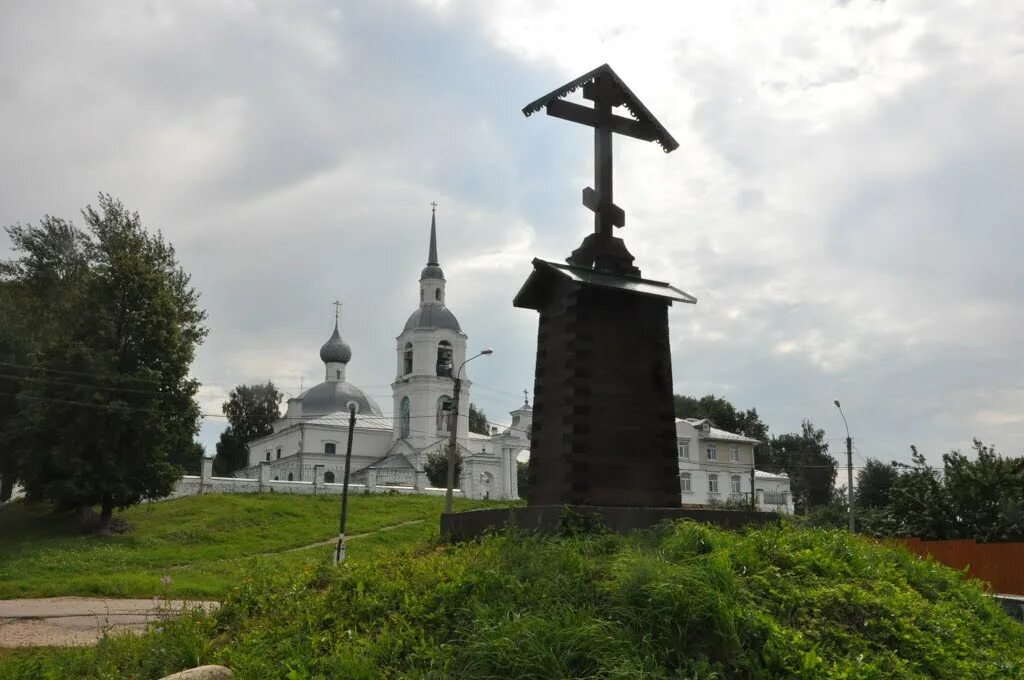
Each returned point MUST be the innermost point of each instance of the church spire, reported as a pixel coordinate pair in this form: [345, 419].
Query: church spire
[433, 269]
[432, 257]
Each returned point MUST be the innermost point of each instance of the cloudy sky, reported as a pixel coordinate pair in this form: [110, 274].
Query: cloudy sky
[846, 201]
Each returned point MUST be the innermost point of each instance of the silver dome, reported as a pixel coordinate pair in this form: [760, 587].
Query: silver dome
[432, 271]
[433, 315]
[335, 349]
[334, 397]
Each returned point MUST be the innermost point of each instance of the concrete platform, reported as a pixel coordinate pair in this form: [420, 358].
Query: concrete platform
[550, 519]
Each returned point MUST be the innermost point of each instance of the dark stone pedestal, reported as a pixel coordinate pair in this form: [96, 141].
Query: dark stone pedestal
[550, 519]
[603, 417]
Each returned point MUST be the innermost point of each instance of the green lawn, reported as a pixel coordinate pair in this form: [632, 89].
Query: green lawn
[204, 543]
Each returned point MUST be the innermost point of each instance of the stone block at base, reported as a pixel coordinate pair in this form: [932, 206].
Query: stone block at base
[548, 519]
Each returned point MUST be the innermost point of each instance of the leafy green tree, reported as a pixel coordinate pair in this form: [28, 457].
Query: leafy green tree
[804, 457]
[523, 479]
[36, 296]
[723, 414]
[874, 484]
[478, 420]
[109, 399]
[251, 412]
[986, 494]
[436, 469]
[919, 501]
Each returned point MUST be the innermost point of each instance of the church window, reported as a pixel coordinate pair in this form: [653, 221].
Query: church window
[407, 359]
[403, 418]
[444, 359]
[444, 414]
[329, 477]
[276, 479]
[437, 294]
[712, 454]
[330, 447]
[268, 455]
[291, 477]
[712, 483]
[735, 484]
[279, 453]
[337, 374]
[684, 483]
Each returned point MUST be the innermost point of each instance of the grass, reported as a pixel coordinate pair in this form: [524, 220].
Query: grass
[683, 601]
[205, 543]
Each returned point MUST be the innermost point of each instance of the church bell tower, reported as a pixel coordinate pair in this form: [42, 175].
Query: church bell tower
[428, 350]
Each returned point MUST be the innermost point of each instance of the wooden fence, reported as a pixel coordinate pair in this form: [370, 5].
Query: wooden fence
[1001, 564]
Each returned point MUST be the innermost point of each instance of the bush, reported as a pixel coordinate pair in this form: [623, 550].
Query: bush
[436, 469]
[682, 601]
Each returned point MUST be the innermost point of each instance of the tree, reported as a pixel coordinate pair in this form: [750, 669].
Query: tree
[523, 479]
[804, 457]
[874, 484]
[919, 501]
[436, 468]
[251, 412]
[722, 414]
[35, 298]
[478, 420]
[108, 399]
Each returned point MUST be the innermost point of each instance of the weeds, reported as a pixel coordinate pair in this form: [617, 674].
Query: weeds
[682, 601]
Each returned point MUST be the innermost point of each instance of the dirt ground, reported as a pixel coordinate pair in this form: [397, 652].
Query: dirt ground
[64, 621]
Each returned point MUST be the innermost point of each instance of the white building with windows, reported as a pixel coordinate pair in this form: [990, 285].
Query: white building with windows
[716, 466]
[312, 436]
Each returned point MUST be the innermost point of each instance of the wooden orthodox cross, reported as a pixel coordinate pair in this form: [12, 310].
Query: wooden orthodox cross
[337, 309]
[602, 250]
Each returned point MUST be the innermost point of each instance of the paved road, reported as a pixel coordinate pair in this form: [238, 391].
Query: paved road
[64, 621]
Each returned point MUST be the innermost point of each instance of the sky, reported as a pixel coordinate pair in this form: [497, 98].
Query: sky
[846, 201]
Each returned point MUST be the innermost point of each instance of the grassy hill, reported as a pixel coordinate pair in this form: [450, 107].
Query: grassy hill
[205, 543]
[682, 601]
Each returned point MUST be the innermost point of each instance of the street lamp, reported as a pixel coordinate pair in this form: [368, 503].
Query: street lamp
[849, 464]
[455, 428]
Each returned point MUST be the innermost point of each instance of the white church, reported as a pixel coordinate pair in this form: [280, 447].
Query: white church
[312, 436]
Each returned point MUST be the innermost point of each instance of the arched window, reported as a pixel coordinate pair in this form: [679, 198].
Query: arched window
[268, 455]
[437, 294]
[276, 479]
[291, 477]
[444, 414]
[279, 452]
[444, 358]
[712, 483]
[328, 477]
[735, 486]
[684, 482]
[403, 418]
[407, 359]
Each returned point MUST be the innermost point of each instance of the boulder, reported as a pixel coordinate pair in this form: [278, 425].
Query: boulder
[203, 673]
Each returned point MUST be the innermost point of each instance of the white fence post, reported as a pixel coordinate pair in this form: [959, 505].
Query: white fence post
[264, 473]
[205, 473]
[318, 478]
[371, 480]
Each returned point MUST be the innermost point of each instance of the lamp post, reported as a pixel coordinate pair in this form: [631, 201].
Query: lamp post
[455, 429]
[849, 465]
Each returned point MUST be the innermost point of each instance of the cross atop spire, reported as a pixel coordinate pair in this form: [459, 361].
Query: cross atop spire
[432, 256]
[526, 397]
[337, 311]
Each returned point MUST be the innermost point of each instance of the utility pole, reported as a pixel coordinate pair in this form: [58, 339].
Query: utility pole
[753, 491]
[339, 553]
[849, 467]
[453, 442]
